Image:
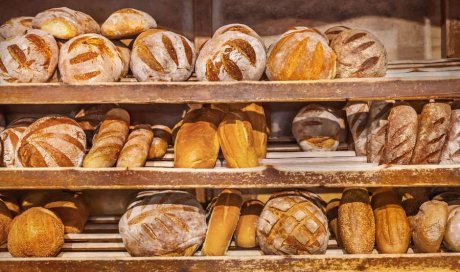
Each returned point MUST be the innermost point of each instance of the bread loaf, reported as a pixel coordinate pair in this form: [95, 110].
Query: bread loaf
[168, 223]
[160, 142]
[37, 232]
[225, 213]
[293, 223]
[359, 54]
[232, 55]
[301, 54]
[392, 230]
[317, 128]
[90, 58]
[256, 116]
[357, 116]
[136, 148]
[451, 152]
[401, 135]
[65, 23]
[197, 144]
[5, 220]
[245, 233]
[28, 58]
[356, 223]
[237, 28]
[237, 140]
[89, 119]
[332, 32]
[332, 212]
[111, 138]
[125, 55]
[10, 138]
[452, 234]
[126, 23]
[432, 132]
[11, 203]
[377, 126]
[16, 26]
[70, 208]
[53, 141]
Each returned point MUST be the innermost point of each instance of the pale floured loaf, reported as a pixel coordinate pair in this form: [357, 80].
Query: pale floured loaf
[126, 23]
[16, 26]
[10, 138]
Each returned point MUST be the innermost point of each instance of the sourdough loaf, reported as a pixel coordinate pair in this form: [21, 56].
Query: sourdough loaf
[126, 23]
[16, 26]
[10, 138]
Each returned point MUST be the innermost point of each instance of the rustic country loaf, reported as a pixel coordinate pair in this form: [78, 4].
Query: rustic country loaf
[10, 138]
[167, 223]
[37, 232]
[90, 58]
[110, 139]
[53, 141]
[332, 213]
[231, 55]
[160, 141]
[293, 223]
[377, 126]
[224, 215]
[301, 54]
[65, 23]
[332, 32]
[452, 234]
[126, 23]
[451, 152]
[237, 28]
[32, 57]
[70, 208]
[5, 220]
[137, 146]
[356, 223]
[245, 233]
[357, 117]
[401, 135]
[16, 26]
[317, 128]
[90, 117]
[125, 55]
[256, 116]
[161, 55]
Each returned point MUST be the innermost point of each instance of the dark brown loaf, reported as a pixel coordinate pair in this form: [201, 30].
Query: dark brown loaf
[377, 126]
[136, 149]
[401, 135]
[432, 133]
[160, 142]
[357, 116]
[16, 26]
[332, 212]
[451, 151]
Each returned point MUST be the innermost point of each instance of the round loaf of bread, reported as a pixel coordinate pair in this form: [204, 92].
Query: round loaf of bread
[167, 223]
[65, 23]
[126, 23]
[29, 58]
[359, 54]
[332, 32]
[90, 58]
[292, 223]
[5, 220]
[16, 26]
[232, 55]
[237, 28]
[70, 208]
[301, 54]
[452, 234]
[10, 138]
[53, 141]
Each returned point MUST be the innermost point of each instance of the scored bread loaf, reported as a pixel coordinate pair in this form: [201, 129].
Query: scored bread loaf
[90, 117]
[377, 126]
[161, 55]
[136, 149]
[16, 26]
[332, 32]
[10, 138]
[126, 23]
[301, 54]
[167, 223]
[332, 213]
[237, 140]
[110, 139]
[70, 208]
[90, 58]
[65, 23]
[160, 141]
[238, 28]
[32, 57]
[317, 128]
[224, 216]
[231, 55]
[52, 141]
[256, 116]
[401, 135]
[245, 232]
[357, 116]
[432, 132]
[451, 152]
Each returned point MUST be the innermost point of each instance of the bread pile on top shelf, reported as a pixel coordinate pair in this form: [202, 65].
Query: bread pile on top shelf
[69, 45]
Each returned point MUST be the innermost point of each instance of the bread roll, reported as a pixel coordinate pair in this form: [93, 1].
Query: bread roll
[392, 230]
[237, 140]
[197, 144]
[301, 54]
[5, 220]
[90, 58]
[293, 223]
[452, 234]
[111, 138]
[70, 208]
[332, 32]
[245, 233]
[52, 142]
[359, 54]
[32, 57]
[126, 23]
[37, 232]
[65, 23]
[356, 221]
[401, 135]
[168, 223]
[10, 138]
[225, 213]
[232, 55]
[160, 142]
[377, 126]
[256, 116]
[317, 128]
[136, 148]
[160, 55]
[450, 153]
[16, 26]
[357, 116]
[332, 212]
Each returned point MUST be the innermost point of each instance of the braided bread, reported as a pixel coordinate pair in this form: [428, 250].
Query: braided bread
[126, 23]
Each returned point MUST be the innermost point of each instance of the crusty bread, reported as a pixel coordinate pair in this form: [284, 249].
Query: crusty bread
[136, 149]
[332, 212]
[357, 116]
[245, 233]
[125, 55]
[16, 26]
[160, 141]
[90, 117]
[256, 116]
[127, 23]
[70, 208]
[10, 138]
[332, 32]
[451, 151]
[301, 54]
[452, 234]
[237, 28]
[377, 126]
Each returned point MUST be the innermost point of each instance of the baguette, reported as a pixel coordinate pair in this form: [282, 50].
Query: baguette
[357, 116]
[136, 149]
[160, 141]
